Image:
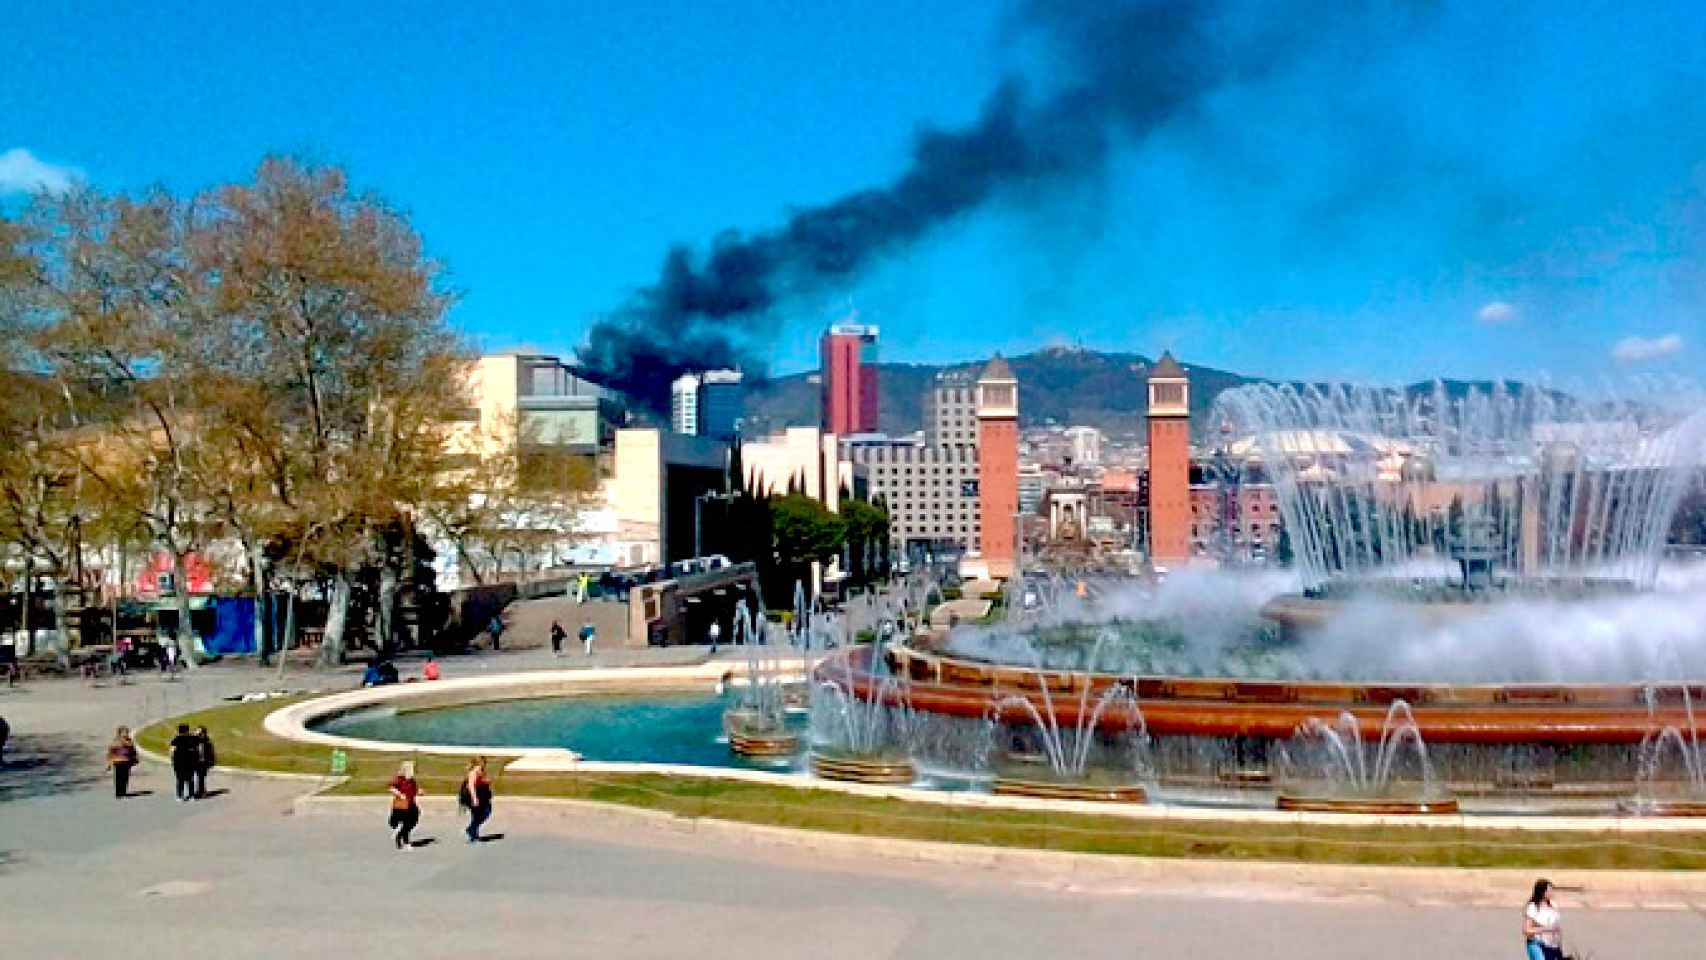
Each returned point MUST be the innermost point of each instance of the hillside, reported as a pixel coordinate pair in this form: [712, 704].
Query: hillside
[1065, 385]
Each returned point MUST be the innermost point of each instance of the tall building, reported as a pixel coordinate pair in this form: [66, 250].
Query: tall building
[950, 410]
[722, 404]
[930, 483]
[1170, 508]
[684, 405]
[998, 465]
[849, 380]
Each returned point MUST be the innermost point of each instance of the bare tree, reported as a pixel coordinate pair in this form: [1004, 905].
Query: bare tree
[347, 321]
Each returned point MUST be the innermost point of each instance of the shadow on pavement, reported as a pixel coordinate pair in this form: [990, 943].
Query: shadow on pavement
[48, 764]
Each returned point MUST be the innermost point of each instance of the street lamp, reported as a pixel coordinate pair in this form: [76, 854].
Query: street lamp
[699, 518]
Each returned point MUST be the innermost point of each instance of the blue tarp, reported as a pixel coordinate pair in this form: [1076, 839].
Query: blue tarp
[234, 626]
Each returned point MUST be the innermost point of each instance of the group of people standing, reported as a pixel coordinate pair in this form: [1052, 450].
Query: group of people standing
[192, 757]
[474, 796]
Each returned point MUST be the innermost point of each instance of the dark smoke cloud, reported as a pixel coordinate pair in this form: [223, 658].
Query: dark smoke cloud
[1127, 68]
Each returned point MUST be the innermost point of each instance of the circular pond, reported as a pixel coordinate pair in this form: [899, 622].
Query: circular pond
[683, 728]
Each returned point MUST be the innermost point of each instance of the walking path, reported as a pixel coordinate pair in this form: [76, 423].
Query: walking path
[252, 872]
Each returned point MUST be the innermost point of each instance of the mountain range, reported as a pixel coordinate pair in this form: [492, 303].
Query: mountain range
[1060, 385]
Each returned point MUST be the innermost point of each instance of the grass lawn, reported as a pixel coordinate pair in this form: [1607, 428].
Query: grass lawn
[241, 741]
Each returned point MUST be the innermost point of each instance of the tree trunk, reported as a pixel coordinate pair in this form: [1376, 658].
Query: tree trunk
[258, 573]
[388, 582]
[288, 637]
[337, 616]
[27, 623]
[181, 594]
[61, 642]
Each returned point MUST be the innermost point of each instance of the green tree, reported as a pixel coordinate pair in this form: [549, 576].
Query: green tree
[867, 535]
[805, 532]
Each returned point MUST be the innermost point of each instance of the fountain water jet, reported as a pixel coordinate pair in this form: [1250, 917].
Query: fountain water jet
[758, 726]
[1684, 795]
[1354, 775]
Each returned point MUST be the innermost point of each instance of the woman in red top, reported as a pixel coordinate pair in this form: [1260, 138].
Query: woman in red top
[405, 811]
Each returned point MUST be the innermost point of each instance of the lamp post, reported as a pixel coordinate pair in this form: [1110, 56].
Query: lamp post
[699, 518]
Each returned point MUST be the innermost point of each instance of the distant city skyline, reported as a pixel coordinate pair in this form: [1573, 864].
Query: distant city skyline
[1458, 190]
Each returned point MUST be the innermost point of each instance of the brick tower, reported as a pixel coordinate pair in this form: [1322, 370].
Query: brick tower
[998, 465]
[1169, 463]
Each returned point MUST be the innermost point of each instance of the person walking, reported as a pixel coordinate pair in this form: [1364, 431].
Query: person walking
[405, 806]
[205, 759]
[558, 635]
[1542, 928]
[5, 734]
[186, 756]
[496, 629]
[716, 634]
[475, 796]
[121, 757]
[588, 634]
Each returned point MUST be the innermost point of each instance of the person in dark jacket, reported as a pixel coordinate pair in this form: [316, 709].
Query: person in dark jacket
[5, 734]
[205, 760]
[186, 757]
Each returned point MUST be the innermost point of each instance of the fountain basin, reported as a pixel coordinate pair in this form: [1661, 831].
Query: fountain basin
[1052, 789]
[1664, 807]
[1480, 714]
[753, 735]
[850, 768]
[1382, 806]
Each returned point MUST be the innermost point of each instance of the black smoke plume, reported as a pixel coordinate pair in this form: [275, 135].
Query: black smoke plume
[1128, 67]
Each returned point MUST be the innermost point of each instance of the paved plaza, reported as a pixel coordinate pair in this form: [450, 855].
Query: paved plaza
[251, 872]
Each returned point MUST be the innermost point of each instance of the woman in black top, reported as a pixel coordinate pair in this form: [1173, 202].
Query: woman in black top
[186, 758]
[204, 761]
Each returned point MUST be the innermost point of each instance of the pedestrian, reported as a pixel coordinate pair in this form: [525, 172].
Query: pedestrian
[496, 629]
[405, 808]
[430, 671]
[171, 659]
[121, 757]
[475, 796]
[205, 759]
[588, 634]
[1542, 932]
[186, 756]
[585, 583]
[558, 635]
[5, 734]
[716, 635]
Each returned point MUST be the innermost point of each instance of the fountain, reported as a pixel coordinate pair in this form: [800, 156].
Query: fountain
[1683, 793]
[1052, 758]
[758, 727]
[1333, 768]
[864, 739]
[1455, 494]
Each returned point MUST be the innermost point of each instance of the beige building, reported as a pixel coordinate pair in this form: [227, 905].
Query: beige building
[806, 455]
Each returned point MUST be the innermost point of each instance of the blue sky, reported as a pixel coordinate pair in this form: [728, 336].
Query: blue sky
[1476, 190]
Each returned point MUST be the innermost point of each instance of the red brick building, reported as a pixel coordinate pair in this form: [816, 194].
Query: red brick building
[1169, 463]
[849, 381]
[998, 465]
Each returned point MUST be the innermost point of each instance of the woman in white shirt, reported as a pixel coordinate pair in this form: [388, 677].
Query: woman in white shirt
[1541, 926]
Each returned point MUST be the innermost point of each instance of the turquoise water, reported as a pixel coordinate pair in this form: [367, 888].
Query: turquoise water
[681, 728]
